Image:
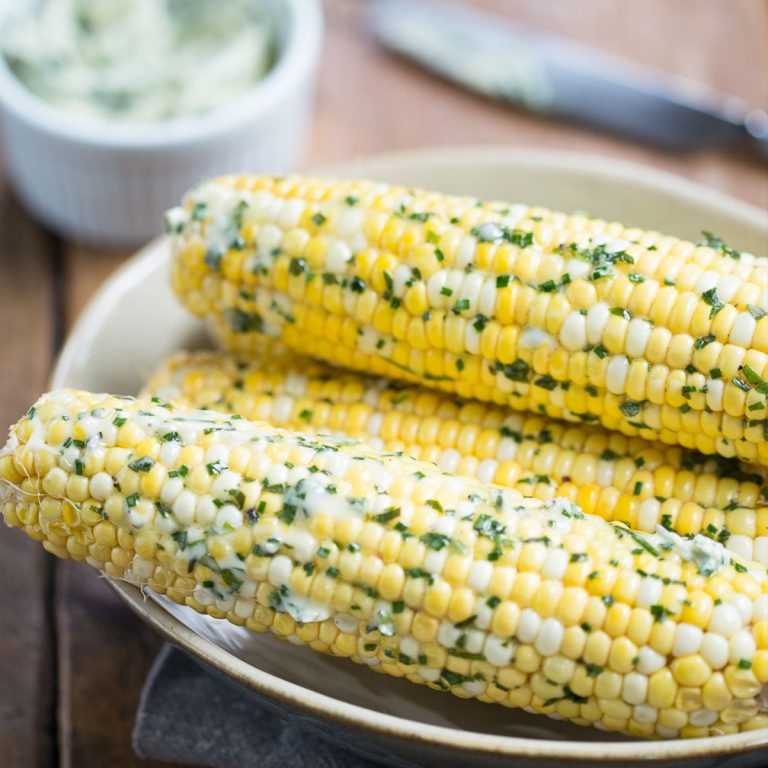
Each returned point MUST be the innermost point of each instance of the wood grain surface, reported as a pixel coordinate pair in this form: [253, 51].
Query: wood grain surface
[73, 659]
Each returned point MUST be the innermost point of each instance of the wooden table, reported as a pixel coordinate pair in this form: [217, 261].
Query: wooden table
[72, 659]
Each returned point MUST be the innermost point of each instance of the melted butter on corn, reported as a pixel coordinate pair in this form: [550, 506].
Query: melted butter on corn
[447, 581]
[570, 316]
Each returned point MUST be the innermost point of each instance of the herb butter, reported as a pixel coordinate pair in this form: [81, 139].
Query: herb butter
[139, 61]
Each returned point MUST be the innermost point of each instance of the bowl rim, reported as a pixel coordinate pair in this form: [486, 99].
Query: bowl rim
[298, 57]
[324, 707]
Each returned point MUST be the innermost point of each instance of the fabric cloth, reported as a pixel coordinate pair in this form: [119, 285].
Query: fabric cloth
[189, 715]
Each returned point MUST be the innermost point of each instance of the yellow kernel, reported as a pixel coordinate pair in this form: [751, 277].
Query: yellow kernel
[691, 670]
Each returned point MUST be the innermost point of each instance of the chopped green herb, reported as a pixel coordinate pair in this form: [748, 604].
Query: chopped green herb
[702, 341]
[713, 241]
[143, 464]
[710, 297]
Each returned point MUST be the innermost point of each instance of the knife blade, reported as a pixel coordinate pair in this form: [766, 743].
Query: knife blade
[552, 75]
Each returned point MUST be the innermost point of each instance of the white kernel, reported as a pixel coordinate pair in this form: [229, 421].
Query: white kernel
[374, 424]
[470, 289]
[578, 269]
[295, 384]
[474, 687]
[714, 394]
[435, 561]
[268, 238]
[533, 338]
[184, 507]
[687, 640]
[597, 317]
[280, 570]
[449, 460]
[401, 275]
[573, 333]
[741, 545]
[707, 280]
[350, 221]
[445, 525]
[549, 637]
[109, 433]
[741, 646]
[555, 564]
[486, 302]
[649, 661]
[484, 614]
[725, 620]
[480, 573]
[616, 374]
[243, 609]
[435, 285]
[303, 542]
[169, 452]
[447, 634]
[648, 515]
[357, 242]
[638, 332]
[474, 640]
[617, 245]
[645, 713]
[205, 510]
[727, 285]
[277, 474]
[498, 651]
[701, 718]
[291, 213]
[429, 674]
[346, 622]
[761, 550]
[635, 688]
[229, 515]
[714, 650]
[202, 595]
[649, 592]
[217, 454]
[225, 481]
[486, 470]
[471, 339]
[142, 514]
[282, 407]
[507, 448]
[140, 569]
[225, 603]
[743, 330]
[466, 252]
[101, 486]
[760, 607]
[529, 625]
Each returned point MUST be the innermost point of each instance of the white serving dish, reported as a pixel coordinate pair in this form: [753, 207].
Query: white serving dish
[108, 183]
[134, 321]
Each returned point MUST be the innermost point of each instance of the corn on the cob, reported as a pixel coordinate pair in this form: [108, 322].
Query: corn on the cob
[565, 315]
[619, 478]
[444, 580]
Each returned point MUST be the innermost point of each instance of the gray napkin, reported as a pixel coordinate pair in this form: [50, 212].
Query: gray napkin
[188, 715]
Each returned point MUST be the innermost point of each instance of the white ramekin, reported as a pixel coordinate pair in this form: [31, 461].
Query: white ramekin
[110, 183]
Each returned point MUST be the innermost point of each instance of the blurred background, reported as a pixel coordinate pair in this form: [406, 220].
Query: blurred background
[72, 656]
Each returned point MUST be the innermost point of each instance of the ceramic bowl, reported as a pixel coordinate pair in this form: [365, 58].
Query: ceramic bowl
[108, 183]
